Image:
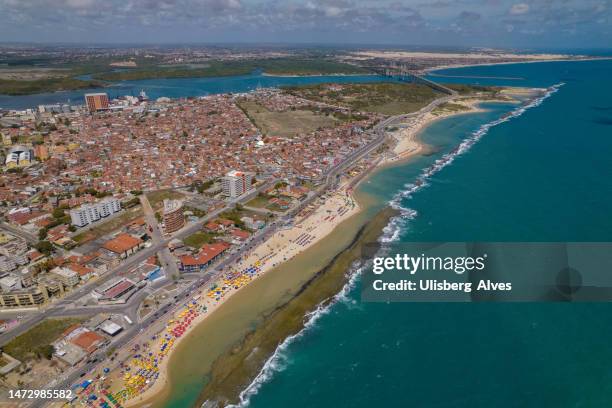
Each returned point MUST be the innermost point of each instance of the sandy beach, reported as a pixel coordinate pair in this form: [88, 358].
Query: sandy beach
[312, 224]
[406, 135]
[463, 55]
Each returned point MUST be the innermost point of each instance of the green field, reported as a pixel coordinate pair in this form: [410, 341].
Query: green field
[288, 123]
[385, 98]
[198, 239]
[39, 337]
[260, 201]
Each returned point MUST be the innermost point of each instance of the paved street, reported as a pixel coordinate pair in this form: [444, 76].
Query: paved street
[165, 258]
[159, 246]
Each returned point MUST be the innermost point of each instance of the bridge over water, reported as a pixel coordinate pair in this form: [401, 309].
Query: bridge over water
[401, 73]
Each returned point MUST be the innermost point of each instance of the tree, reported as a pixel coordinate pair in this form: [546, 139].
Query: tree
[45, 351]
[44, 247]
[58, 213]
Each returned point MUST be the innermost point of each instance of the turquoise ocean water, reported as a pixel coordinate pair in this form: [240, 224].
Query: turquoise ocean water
[544, 175]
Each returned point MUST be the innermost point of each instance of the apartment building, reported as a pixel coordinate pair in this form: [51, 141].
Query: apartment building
[96, 101]
[24, 298]
[88, 213]
[236, 183]
[13, 254]
[67, 277]
[173, 216]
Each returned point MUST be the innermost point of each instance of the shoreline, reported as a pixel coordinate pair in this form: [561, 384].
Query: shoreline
[490, 64]
[407, 139]
[316, 75]
[231, 378]
[285, 245]
[305, 224]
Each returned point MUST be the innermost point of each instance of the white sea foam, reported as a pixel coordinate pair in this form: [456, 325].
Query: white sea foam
[398, 223]
[279, 359]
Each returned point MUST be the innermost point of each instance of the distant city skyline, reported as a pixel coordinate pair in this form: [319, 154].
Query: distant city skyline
[484, 23]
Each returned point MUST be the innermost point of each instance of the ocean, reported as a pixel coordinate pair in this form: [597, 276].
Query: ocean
[543, 174]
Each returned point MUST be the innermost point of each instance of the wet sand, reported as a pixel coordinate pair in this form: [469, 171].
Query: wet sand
[236, 368]
[223, 332]
[239, 315]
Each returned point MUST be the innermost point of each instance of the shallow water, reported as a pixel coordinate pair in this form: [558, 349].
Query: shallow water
[543, 176]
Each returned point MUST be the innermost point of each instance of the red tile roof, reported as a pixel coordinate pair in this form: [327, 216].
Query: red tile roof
[80, 269]
[122, 243]
[88, 341]
[240, 234]
[207, 254]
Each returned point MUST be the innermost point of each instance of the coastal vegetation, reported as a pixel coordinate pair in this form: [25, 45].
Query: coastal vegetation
[36, 342]
[272, 66]
[30, 76]
[233, 371]
[464, 89]
[389, 98]
[450, 107]
[18, 87]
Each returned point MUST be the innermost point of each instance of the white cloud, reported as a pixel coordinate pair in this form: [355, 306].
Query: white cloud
[333, 11]
[519, 8]
[79, 3]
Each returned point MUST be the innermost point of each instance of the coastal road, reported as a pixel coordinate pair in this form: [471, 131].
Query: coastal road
[211, 275]
[165, 311]
[55, 308]
[142, 255]
[165, 257]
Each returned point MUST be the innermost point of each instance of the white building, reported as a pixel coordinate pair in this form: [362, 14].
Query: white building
[67, 276]
[7, 264]
[236, 183]
[19, 156]
[88, 213]
[12, 254]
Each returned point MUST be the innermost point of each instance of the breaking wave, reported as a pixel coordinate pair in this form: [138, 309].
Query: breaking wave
[397, 224]
[279, 359]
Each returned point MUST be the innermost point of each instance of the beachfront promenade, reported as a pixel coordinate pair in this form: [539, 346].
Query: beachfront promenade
[329, 181]
[210, 276]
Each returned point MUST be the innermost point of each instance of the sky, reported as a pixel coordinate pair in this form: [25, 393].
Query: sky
[524, 24]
